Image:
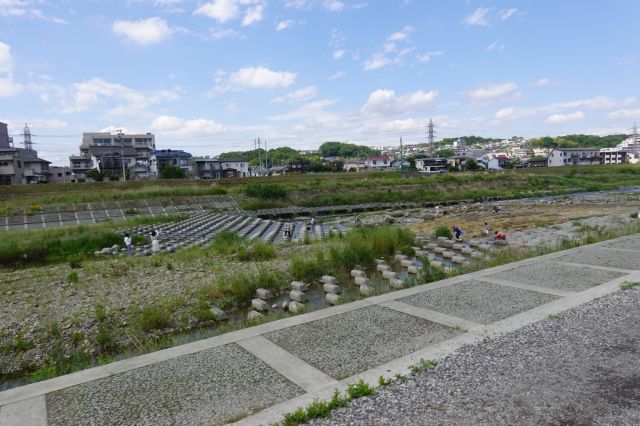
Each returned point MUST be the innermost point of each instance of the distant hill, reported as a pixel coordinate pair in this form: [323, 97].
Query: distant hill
[577, 141]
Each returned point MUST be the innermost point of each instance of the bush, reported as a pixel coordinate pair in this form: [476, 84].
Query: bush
[154, 318]
[442, 231]
[304, 268]
[258, 250]
[265, 191]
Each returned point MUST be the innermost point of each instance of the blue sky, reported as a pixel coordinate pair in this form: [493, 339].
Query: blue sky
[210, 76]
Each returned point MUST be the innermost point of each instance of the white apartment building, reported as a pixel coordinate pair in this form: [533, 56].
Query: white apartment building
[573, 157]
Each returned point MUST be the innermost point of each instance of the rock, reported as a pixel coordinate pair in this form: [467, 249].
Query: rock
[412, 269]
[299, 286]
[357, 273]
[388, 274]
[296, 307]
[431, 246]
[332, 288]
[264, 294]
[435, 264]
[448, 254]
[467, 250]
[366, 290]
[274, 306]
[219, 314]
[458, 259]
[333, 299]
[406, 263]
[285, 305]
[439, 250]
[458, 246]
[420, 253]
[362, 281]
[328, 279]
[396, 283]
[380, 262]
[298, 296]
[259, 305]
[399, 257]
[254, 315]
[383, 267]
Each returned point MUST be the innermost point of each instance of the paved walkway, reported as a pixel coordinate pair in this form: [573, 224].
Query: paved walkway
[255, 375]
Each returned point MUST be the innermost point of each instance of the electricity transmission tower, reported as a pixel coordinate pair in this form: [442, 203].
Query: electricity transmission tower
[431, 139]
[26, 134]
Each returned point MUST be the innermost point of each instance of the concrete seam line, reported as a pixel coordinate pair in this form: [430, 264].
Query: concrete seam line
[603, 268]
[628, 250]
[28, 412]
[537, 288]
[433, 316]
[296, 370]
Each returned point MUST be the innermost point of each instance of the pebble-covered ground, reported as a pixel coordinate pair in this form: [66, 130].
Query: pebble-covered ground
[582, 367]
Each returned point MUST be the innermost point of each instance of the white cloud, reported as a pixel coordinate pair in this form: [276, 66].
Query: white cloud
[337, 75]
[259, 77]
[493, 93]
[625, 113]
[6, 60]
[545, 82]
[495, 46]
[216, 34]
[298, 4]
[376, 61]
[220, 10]
[179, 126]
[333, 5]
[392, 50]
[426, 57]
[507, 13]
[598, 102]
[408, 124]
[8, 87]
[253, 15]
[25, 9]
[299, 95]
[402, 34]
[144, 31]
[513, 113]
[564, 118]
[385, 102]
[478, 17]
[313, 110]
[338, 54]
[283, 25]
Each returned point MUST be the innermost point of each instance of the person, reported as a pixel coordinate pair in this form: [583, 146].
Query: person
[457, 232]
[499, 235]
[444, 213]
[127, 243]
[496, 209]
[287, 230]
[155, 244]
[486, 229]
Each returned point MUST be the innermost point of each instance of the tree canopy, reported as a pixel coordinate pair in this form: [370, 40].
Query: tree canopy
[577, 141]
[346, 150]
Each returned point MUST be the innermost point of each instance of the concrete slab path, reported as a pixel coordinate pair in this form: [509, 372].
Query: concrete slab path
[255, 375]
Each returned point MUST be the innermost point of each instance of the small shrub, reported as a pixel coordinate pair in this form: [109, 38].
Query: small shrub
[442, 231]
[298, 417]
[22, 344]
[103, 336]
[265, 191]
[101, 312]
[384, 382]
[540, 224]
[75, 262]
[169, 266]
[337, 400]
[202, 311]
[423, 365]
[360, 389]
[554, 316]
[318, 409]
[567, 243]
[154, 318]
[73, 277]
[257, 251]
[627, 285]
[305, 269]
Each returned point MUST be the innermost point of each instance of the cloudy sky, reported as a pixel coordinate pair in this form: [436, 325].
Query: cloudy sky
[210, 76]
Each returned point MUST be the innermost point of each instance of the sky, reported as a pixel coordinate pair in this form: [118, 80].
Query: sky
[210, 76]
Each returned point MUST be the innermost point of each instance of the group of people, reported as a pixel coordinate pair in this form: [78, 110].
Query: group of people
[498, 235]
[311, 227]
[155, 243]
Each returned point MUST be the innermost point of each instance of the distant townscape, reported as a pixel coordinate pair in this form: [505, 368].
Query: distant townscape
[120, 156]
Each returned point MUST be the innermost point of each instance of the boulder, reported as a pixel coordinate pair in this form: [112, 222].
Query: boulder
[458, 259]
[383, 267]
[366, 290]
[333, 299]
[328, 279]
[396, 283]
[388, 274]
[259, 305]
[448, 254]
[298, 296]
[399, 257]
[412, 269]
[380, 262]
[264, 294]
[435, 264]
[296, 307]
[357, 273]
[254, 315]
[219, 314]
[285, 305]
[299, 286]
[362, 281]
[332, 288]
[406, 263]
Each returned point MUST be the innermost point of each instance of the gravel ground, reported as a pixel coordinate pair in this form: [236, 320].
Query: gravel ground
[555, 275]
[630, 244]
[610, 258]
[479, 301]
[359, 340]
[210, 387]
[582, 368]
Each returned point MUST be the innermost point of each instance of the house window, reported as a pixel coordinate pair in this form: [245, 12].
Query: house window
[59, 174]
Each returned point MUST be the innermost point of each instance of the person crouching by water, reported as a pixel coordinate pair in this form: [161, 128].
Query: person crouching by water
[499, 235]
[287, 230]
[457, 232]
[155, 244]
[127, 243]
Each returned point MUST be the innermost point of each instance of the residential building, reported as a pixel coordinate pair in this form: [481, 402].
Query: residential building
[353, 166]
[4, 136]
[400, 164]
[20, 165]
[573, 157]
[206, 168]
[377, 162]
[159, 159]
[431, 165]
[614, 157]
[234, 167]
[61, 174]
[110, 159]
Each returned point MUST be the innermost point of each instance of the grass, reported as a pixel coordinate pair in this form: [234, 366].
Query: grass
[423, 365]
[442, 231]
[228, 243]
[627, 285]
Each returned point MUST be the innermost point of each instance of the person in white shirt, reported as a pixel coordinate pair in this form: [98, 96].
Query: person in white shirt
[155, 244]
[127, 242]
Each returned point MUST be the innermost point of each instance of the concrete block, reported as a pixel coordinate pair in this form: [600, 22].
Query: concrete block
[458, 259]
[383, 267]
[332, 288]
[299, 285]
[412, 269]
[399, 257]
[396, 283]
[435, 264]
[362, 281]
[406, 263]
[448, 254]
[328, 279]
[366, 290]
[357, 273]
[297, 296]
[388, 274]
[259, 305]
[467, 250]
[333, 299]
[439, 250]
[431, 246]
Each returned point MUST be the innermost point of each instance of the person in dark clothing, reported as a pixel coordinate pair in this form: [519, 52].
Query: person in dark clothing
[457, 232]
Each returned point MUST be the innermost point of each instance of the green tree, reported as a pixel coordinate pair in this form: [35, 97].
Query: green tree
[472, 165]
[171, 172]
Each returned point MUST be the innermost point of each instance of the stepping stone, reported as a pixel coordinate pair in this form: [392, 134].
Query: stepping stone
[259, 305]
[357, 273]
[264, 294]
[299, 286]
[383, 268]
[332, 288]
[360, 281]
[297, 296]
[333, 299]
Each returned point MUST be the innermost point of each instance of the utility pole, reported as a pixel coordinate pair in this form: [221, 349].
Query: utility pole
[401, 154]
[257, 141]
[266, 155]
[121, 140]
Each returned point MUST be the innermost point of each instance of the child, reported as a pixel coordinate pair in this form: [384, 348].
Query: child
[486, 229]
[457, 232]
[287, 230]
[127, 242]
[155, 244]
[499, 235]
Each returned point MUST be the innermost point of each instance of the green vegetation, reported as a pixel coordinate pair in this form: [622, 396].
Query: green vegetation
[442, 231]
[228, 243]
[422, 365]
[346, 150]
[627, 285]
[171, 172]
[360, 389]
[576, 141]
[265, 191]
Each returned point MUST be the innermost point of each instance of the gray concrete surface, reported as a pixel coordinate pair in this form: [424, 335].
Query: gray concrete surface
[353, 342]
[609, 258]
[209, 387]
[582, 368]
[479, 301]
[559, 276]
